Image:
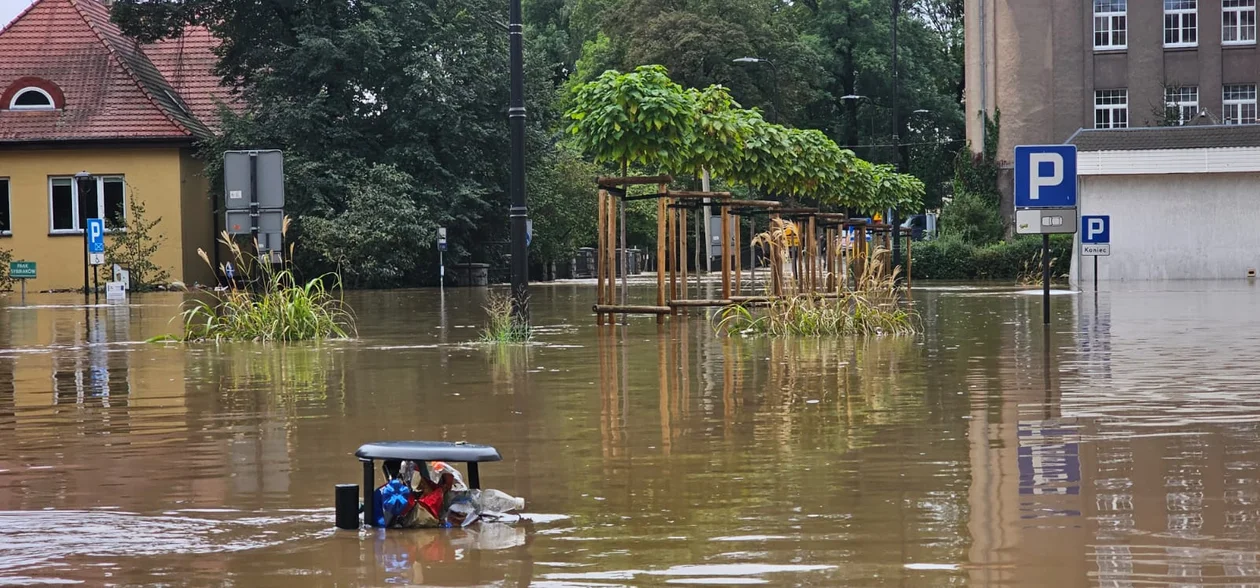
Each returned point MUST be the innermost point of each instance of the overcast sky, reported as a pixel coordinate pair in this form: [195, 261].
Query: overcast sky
[9, 9]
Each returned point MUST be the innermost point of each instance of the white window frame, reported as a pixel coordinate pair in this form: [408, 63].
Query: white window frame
[1111, 17]
[1179, 14]
[1238, 9]
[74, 199]
[13, 105]
[1180, 99]
[8, 205]
[1228, 103]
[1111, 107]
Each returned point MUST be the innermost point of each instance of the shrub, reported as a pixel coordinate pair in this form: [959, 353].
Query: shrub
[6, 281]
[950, 258]
[974, 218]
[135, 248]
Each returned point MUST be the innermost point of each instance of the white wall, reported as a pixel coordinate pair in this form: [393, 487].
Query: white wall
[1173, 226]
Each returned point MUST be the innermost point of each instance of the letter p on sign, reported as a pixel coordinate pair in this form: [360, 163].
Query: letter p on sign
[1045, 176]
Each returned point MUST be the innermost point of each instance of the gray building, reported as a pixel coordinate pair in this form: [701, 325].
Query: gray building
[1056, 66]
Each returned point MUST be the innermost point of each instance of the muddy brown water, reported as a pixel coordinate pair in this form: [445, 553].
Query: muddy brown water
[1124, 453]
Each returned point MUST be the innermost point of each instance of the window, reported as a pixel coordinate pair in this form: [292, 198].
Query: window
[1238, 22]
[1239, 104]
[1110, 24]
[6, 221]
[1111, 109]
[1181, 23]
[32, 99]
[104, 193]
[1183, 103]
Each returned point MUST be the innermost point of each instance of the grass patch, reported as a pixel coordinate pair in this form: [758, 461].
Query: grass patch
[502, 326]
[280, 308]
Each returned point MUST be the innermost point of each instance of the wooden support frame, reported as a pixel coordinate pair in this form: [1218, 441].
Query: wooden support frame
[599, 253]
[726, 252]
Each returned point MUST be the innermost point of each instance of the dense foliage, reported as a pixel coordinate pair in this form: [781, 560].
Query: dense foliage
[952, 258]
[399, 107]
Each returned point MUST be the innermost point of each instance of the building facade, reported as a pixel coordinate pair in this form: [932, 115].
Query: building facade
[77, 96]
[1055, 66]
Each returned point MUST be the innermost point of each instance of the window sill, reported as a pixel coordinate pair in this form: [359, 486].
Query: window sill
[6, 233]
[1119, 49]
[1180, 47]
[79, 232]
[1237, 44]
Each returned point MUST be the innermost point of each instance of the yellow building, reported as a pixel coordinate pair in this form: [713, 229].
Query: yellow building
[78, 96]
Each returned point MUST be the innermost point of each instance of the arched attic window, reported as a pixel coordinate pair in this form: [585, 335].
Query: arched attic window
[32, 93]
[32, 99]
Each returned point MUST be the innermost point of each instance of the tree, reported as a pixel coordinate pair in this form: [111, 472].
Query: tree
[135, 248]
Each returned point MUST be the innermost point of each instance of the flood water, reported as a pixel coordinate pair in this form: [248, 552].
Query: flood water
[1118, 449]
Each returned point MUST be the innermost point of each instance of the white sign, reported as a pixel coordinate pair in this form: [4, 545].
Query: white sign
[115, 292]
[1038, 221]
[235, 194]
[96, 258]
[1096, 250]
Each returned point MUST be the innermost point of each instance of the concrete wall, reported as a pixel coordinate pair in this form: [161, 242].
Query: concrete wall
[155, 175]
[1174, 226]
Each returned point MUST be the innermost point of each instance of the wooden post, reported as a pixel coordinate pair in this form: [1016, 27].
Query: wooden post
[673, 254]
[660, 250]
[813, 255]
[682, 248]
[752, 248]
[726, 252]
[909, 263]
[601, 257]
[610, 295]
[739, 262]
[776, 262]
[859, 255]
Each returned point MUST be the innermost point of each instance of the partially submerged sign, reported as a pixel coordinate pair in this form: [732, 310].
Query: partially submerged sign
[115, 292]
[22, 270]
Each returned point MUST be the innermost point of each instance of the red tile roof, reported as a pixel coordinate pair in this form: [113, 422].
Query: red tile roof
[113, 88]
[188, 64]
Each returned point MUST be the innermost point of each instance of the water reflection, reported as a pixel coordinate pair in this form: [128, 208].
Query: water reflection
[1119, 448]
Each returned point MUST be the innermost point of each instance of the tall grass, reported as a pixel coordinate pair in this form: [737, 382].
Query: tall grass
[280, 308]
[1033, 273]
[502, 326]
[872, 308]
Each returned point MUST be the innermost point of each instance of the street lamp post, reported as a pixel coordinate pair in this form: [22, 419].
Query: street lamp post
[774, 105]
[896, 116]
[83, 179]
[519, 212]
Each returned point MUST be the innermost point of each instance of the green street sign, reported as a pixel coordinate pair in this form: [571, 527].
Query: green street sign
[22, 270]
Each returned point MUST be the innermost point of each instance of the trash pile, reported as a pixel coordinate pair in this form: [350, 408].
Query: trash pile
[434, 495]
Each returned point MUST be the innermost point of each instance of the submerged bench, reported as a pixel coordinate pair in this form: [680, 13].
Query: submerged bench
[417, 451]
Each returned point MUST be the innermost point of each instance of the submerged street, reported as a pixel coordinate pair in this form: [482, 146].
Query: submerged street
[1123, 453]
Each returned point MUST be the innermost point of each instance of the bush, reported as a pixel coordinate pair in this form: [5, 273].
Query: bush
[951, 258]
[6, 281]
[135, 248]
[974, 218]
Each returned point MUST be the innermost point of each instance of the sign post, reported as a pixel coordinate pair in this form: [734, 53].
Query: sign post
[23, 271]
[1096, 240]
[1045, 200]
[441, 257]
[96, 251]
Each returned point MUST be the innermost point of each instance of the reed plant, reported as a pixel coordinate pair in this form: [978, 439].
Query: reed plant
[502, 326]
[873, 307]
[278, 308]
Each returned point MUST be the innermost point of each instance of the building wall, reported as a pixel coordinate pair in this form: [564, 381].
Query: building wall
[158, 176]
[199, 224]
[1174, 226]
[1035, 60]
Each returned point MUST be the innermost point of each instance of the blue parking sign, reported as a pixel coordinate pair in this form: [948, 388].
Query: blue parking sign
[1096, 229]
[1045, 176]
[96, 235]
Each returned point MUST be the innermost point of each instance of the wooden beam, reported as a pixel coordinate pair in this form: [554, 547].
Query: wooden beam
[633, 180]
[631, 309]
[601, 257]
[660, 252]
[726, 253]
[699, 303]
[697, 194]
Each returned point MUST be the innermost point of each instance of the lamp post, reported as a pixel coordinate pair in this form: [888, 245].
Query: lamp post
[81, 180]
[519, 212]
[774, 105]
[896, 116]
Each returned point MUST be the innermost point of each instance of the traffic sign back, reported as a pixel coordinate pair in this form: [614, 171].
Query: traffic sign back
[1045, 176]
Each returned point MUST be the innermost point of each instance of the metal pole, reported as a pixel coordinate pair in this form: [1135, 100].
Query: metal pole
[708, 226]
[896, 116]
[1045, 278]
[441, 270]
[519, 212]
[1095, 273]
[83, 227]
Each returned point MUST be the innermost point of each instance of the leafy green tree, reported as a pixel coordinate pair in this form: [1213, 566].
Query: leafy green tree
[135, 248]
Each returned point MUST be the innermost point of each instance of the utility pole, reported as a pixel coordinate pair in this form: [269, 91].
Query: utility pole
[896, 116]
[519, 212]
